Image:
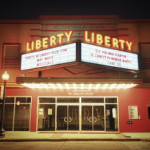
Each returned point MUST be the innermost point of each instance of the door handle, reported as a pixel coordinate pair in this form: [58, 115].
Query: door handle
[95, 119]
[65, 119]
[90, 119]
[70, 119]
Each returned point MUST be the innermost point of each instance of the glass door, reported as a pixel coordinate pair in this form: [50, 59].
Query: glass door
[62, 118]
[111, 117]
[67, 117]
[98, 118]
[87, 118]
[93, 118]
[46, 119]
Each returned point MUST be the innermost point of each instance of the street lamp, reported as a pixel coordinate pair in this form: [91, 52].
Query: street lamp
[5, 78]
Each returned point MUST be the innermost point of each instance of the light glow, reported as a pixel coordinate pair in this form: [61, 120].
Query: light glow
[82, 86]
[5, 76]
[74, 86]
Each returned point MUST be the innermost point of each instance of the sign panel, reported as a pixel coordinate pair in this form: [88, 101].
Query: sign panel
[49, 111]
[41, 111]
[49, 57]
[133, 112]
[108, 57]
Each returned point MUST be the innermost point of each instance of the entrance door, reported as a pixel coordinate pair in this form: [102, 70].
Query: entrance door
[67, 117]
[93, 118]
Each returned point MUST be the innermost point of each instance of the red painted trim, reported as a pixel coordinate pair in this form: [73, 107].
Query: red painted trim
[144, 42]
[80, 17]
[35, 29]
[11, 43]
[123, 35]
[73, 30]
[20, 21]
[38, 29]
[76, 30]
[123, 29]
[38, 35]
[78, 24]
[48, 36]
[134, 21]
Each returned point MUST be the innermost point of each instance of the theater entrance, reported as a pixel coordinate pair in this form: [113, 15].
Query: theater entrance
[78, 114]
[67, 117]
[93, 118]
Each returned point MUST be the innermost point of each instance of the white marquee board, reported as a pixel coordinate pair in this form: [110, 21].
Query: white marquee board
[109, 57]
[49, 57]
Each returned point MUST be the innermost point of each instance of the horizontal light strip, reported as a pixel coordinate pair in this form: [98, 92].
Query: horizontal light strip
[78, 86]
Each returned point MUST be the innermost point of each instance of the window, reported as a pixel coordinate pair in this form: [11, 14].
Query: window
[92, 100]
[145, 55]
[111, 100]
[11, 57]
[17, 113]
[67, 100]
[46, 114]
[148, 112]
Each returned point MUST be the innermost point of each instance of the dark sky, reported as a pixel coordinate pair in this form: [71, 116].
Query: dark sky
[25, 9]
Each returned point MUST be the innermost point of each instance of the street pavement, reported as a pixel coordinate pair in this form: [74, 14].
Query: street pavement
[18, 136]
[76, 145]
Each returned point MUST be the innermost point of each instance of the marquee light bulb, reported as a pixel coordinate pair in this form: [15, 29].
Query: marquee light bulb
[78, 86]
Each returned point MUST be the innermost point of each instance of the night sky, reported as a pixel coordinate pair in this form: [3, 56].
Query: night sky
[25, 9]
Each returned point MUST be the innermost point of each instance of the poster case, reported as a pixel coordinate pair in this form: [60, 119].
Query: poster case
[133, 112]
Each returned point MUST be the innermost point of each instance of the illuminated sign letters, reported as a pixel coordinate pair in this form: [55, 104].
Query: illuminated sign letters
[108, 57]
[92, 38]
[107, 41]
[47, 42]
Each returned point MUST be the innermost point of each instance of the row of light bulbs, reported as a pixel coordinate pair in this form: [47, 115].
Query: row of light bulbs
[78, 86]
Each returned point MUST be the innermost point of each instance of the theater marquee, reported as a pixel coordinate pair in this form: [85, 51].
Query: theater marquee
[96, 49]
[49, 57]
[108, 57]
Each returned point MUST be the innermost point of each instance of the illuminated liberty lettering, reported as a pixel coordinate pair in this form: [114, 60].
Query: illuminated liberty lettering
[122, 42]
[86, 37]
[45, 42]
[129, 45]
[115, 43]
[28, 47]
[99, 39]
[68, 36]
[50, 41]
[107, 41]
[38, 44]
[60, 38]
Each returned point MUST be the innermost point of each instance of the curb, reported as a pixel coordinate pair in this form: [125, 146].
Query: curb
[63, 140]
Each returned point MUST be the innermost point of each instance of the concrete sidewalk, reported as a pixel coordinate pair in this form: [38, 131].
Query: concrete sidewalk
[18, 136]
